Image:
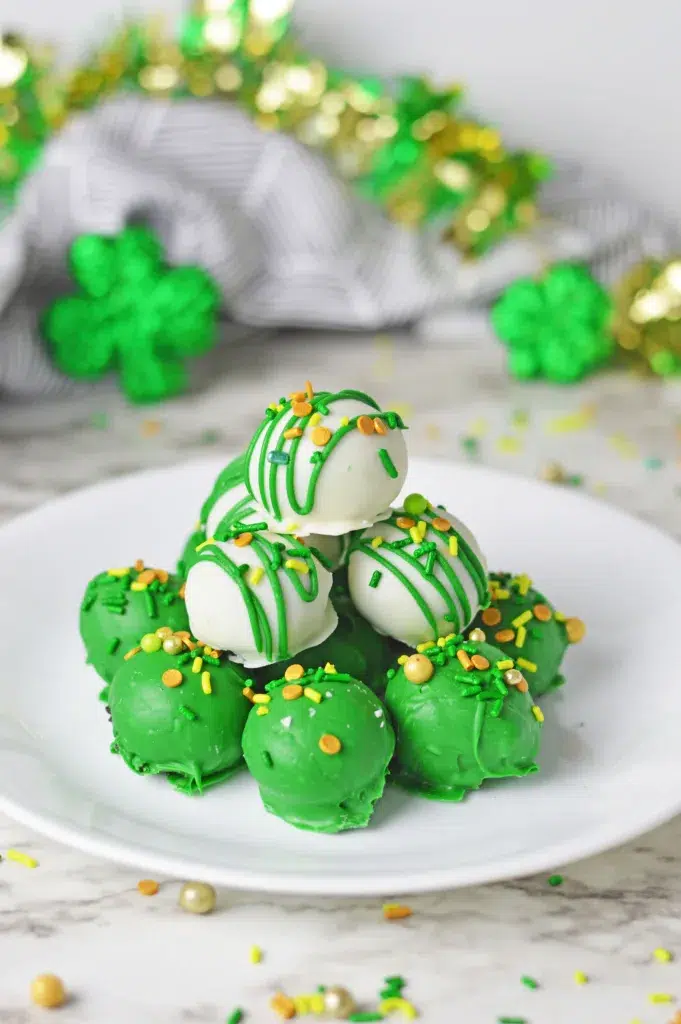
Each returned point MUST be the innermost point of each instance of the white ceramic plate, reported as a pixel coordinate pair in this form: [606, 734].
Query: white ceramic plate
[610, 767]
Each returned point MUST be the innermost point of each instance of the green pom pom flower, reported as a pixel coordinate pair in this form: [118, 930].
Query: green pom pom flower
[557, 327]
[133, 314]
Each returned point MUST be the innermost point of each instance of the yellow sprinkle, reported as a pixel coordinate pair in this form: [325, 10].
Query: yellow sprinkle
[520, 620]
[509, 445]
[559, 617]
[537, 712]
[209, 540]
[22, 858]
[450, 636]
[572, 421]
[528, 665]
[197, 664]
[313, 695]
[502, 595]
[454, 546]
[506, 663]
[520, 637]
[345, 422]
[663, 956]
[296, 563]
[626, 448]
[292, 527]
[478, 428]
[302, 1005]
[255, 954]
[261, 698]
[523, 583]
[415, 535]
[388, 1006]
[262, 710]
[138, 586]
[661, 997]
[315, 418]
[376, 542]
[206, 683]
[330, 668]
[255, 575]
[403, 658]
[422, 527]
[118, 573]
[580, 978]
[424, 647]
[441, 641]
[316, 1003]
[279, 407]
[131, 653]
[272, 406]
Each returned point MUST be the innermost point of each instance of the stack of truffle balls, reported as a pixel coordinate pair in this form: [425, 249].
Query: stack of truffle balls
[323, 636]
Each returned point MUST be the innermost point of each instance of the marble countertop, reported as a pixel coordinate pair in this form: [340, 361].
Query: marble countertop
[130, 959]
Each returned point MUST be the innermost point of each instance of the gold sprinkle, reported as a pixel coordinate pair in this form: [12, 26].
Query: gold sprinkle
[491, 616]
[308, 391]
[261, 698]
[139, 565]
[454, 546]
[521, 636]
[206, 685]
[292, 433]
[396, 911]
[365, 425]
[171, 678]
[255, 575]
[243, 540]
[542, 612]
[320, 436]
[164, 631]
[262, 710]
[292, 692]
[528, 665]
[313, 695]
[405, 522]
[376, 542]
[441, 525]
[197, 665]
[464, 660]
[477, 636]
[480, 662]
[131, 653]
[249, 693]
[379, 426]
[329, 744]
[537, 712]
[294, 672]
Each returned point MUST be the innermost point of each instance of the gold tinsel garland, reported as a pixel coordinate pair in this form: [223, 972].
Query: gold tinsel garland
[646, 318]
[404, 144]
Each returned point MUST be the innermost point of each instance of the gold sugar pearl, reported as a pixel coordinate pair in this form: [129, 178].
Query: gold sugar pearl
[477, 636]
[173, 645]
[47, 990]
[418, 668]
[575, 630]
[338, 1003]
[197, 897]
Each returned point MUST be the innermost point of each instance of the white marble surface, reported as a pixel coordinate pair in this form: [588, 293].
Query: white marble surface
[128, 959]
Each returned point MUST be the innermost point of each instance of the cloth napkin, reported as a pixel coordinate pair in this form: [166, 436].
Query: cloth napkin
[289, 244]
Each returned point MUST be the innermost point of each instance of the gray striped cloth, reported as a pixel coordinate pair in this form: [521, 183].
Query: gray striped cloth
[287, 242]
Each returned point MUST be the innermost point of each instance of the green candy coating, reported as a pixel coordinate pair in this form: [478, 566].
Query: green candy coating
[460, 728]
[113, 617]
[299, 782]
[189, 556]
[228, 478]
[192, 736]
[545, 642]
[354, 648]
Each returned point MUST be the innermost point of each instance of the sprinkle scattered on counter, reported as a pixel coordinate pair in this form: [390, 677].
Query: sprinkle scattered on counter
[396, 911]
[255, 954]
[150, 428]
[209, 437]
[663, 956]
[555, 880]
[22, 858]
[147, 887]
[572, 422]
[511, 1020]
[580, 978]
[623, 446]
[653, 462]
[661, 997]
[47, 990]
[470, 446]
[236, 1016]
[529, 982]
[509, 445]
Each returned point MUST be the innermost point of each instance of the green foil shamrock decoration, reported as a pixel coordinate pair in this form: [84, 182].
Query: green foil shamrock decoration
[556, 327]
[133, 314]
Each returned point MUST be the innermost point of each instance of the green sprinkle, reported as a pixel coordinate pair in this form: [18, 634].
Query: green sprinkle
[496, 708]
[375, 579]
[168, 598]
[511, 1020]
[112, 645]
[555, 880]
[529, 982]
[316, 457]
[186, 656]
[470, 445]
[150, 605]
[236, 1016]
[430, 563]
[210, 659]
[388, 464]
[190, 715]
[361, 1018]
[390, 673]
[654, 463]
[470, 691]
[88, 602]
[209, 437]
[115, 609]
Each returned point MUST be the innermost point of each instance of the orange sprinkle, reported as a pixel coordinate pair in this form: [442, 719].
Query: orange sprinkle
[181, 591]
[294, 672]
[491, 616]
[379, 425]
[183, 634]
[405, 523]
[171, 677]
[148, 887]
[442, 525]
[292, 692]
[292, 432]
[283, 1006]
[297, 396]
[480, 662]
[308, 391]
[150, 428]
[575, 630]
[365, 425]
[464, 660]
[542, 612]
[243, 540]
[329, 744]
[161, 575]
[139, 565]
[131, 653]
[396, 911]
[301, 409]
[147, 576]
[522, 685]
[320, 436]
[504, 636]
[249, 693]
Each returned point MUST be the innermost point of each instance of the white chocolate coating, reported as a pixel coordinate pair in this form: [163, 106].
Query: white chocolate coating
[353, 488]
[218, 598]
[391, 605]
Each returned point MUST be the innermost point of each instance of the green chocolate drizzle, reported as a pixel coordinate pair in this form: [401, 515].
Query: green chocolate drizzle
[267, 482]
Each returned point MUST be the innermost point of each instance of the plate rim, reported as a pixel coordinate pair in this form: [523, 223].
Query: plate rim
[546, 859]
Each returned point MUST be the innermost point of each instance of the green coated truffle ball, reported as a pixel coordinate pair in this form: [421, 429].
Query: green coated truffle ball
[164, 721]
[541, 640]
[320, 764]
[114, 614]
[457, 727]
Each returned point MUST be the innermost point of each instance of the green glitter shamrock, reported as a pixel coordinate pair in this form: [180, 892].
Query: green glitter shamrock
[557, 327]
[133, 314]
